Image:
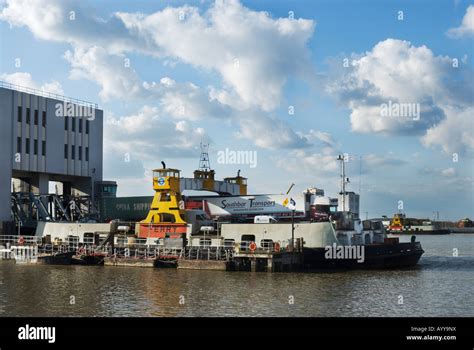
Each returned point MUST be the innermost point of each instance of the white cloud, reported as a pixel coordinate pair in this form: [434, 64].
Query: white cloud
[374, 160]
[309, 164]
[149, 136]
[467, 26]
[109, 71]
[323, 138]
[448, 172]
[453, 134]
[24, 79]
[253, 53]
[397, 72]
[268, 132]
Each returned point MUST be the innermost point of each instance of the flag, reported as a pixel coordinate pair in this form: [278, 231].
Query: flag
[285, 202]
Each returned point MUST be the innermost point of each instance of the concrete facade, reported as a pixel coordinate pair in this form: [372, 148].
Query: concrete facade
[48, 138]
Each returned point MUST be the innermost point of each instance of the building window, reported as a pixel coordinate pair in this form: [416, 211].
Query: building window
[36, 117]
[87, 126]
[65, 151]
[43, 121]
[66, 122]
[27, 146]
[87, 154]
[73, 122]
[73, 152]
[19, 114]
[18, 144]
[27, 116]
[80, 153]
[80, 125]
[35, 147]
[43, 148]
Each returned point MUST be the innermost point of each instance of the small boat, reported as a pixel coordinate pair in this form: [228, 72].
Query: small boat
[56, 258]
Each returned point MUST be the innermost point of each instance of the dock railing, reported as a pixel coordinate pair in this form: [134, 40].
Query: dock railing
[14, 240]
[208, 253]
[148, 252]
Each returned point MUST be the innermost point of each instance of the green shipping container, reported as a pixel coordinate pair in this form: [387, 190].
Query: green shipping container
[124, 208]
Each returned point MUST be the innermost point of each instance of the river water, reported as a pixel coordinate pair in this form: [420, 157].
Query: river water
[441, 285]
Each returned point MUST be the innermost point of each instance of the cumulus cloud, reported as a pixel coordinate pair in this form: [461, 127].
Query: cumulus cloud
[109, 71]
[397, 74]
[148, 135]
[24, 79]
[467, 26]
[311, 163]
[453, 134]
[253, 53]
[72, 22]
[269, 132]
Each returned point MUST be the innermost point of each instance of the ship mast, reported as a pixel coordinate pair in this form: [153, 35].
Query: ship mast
[344, 180]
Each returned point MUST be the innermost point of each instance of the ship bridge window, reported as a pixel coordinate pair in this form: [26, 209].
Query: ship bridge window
[266, 243]
[165, 173]
[205, 242]
[229, 243]
[72, 240]
[248, 238]
[245, 241]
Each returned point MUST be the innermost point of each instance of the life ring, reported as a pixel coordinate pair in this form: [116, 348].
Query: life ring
[21, 240]
[252, 246]
[80, 251]
[276, 247]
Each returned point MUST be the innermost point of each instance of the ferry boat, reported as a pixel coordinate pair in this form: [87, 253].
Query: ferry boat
[245, 224]
[328, 238]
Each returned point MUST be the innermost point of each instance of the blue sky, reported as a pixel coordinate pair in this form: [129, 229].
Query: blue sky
[228, 72]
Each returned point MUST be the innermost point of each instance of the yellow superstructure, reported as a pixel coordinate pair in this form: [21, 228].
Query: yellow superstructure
[207, 177]
[167, 205]
[239, 180]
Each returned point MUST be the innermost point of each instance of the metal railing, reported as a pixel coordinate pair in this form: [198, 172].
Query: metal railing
[208, 253]
[156, 252]
[47, 94]
[13, 240]
[264, 247]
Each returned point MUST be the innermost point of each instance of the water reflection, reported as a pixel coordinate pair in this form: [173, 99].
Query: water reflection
[442, 285]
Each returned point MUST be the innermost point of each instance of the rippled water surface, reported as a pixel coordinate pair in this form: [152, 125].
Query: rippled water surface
[441, 285]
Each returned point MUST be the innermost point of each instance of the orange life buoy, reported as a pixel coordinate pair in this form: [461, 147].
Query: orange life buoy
[21, 240]
[277, 247]
[252, 246]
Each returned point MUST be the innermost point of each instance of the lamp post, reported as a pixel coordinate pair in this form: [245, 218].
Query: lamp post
[292, 238]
